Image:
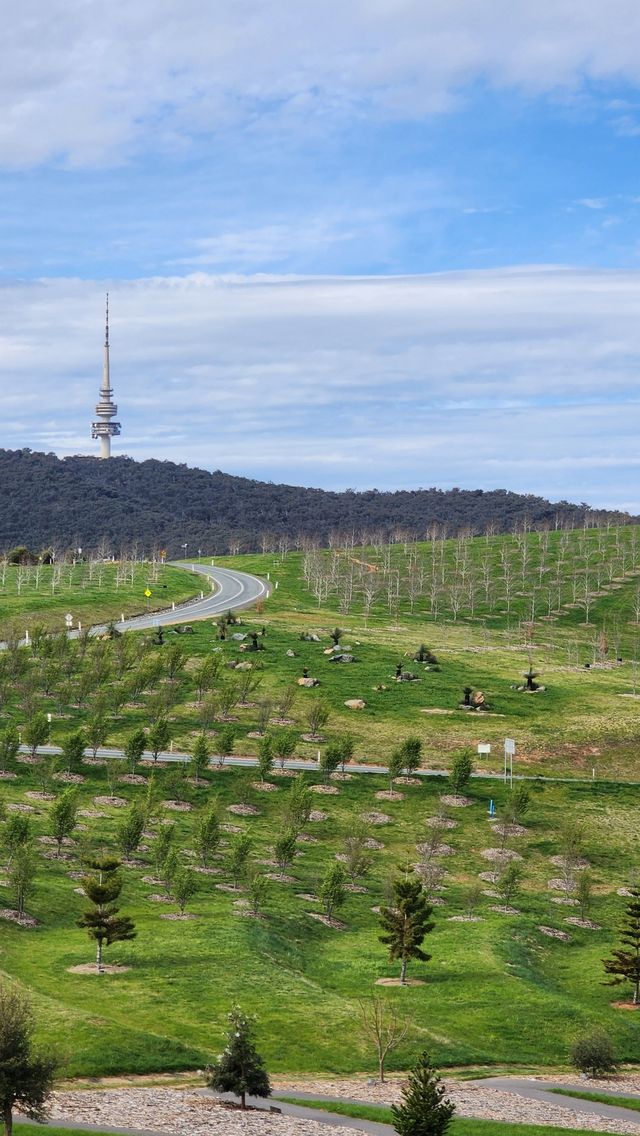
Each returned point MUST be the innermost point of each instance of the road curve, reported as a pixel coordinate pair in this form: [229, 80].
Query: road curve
[234, 590]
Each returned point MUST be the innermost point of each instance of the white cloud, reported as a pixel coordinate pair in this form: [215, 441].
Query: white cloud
[524, 378]
[88, 84]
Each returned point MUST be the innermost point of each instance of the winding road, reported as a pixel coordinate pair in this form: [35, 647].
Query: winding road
[235, 590]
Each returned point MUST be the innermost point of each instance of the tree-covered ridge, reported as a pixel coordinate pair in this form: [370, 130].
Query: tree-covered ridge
[78, 501]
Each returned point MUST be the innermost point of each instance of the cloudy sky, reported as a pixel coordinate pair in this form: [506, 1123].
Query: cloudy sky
[389, 243]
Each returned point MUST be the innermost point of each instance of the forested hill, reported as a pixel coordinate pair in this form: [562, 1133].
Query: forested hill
[75, 501]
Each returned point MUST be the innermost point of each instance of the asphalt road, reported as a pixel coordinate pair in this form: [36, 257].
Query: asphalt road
[235, 590]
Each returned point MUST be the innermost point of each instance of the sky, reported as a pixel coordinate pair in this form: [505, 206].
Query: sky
[392, 243]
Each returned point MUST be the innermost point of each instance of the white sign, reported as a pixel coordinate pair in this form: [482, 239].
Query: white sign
[509, 746]
[484, 747]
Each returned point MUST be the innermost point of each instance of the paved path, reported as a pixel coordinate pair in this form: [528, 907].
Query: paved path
[532, 1089]
[302, 1113]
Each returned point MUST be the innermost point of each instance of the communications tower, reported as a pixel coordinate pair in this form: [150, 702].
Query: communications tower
[105, 429]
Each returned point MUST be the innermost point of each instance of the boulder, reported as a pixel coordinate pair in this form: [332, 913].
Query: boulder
[308, 682]
[355, 703]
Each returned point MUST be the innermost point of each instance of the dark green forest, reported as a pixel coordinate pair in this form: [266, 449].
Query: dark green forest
[82, 501]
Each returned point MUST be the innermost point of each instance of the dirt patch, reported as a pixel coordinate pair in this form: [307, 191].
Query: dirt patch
[441, 822]
[576, 865]
[625, 1005]
[305, 838]
[329, 790]
[35, 795]
[243, 810]
[132, 779]
[95, 761]
[111, 802]
[232, 828]
[564, 901]
[439, 850]
[504, 909]
[5, 775]
[338, 776]
[177, 806]
[206, 871]
[587, 924]
[464, 919]
[389, 795]
[280, 877]
[373, 845]
[69, 778]
[91, 814]
[229, 887]
[90, 968]
[317, 815]
[264, 787]
[27, 759]
[397, 982]
[16, 808]
[158, 897]
[176, 917]
[408, 781]
[283, 773]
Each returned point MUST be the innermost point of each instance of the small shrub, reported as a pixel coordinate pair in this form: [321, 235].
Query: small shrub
[592, 1053]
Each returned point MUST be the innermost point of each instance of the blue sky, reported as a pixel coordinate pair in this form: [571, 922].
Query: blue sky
[392, 244]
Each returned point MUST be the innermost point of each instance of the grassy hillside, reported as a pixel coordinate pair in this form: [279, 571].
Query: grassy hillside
[497, 990]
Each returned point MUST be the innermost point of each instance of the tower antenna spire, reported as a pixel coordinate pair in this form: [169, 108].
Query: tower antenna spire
[105, 429]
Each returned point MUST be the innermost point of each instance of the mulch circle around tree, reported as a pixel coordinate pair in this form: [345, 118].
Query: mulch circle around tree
[500, 855]
[243, 810]
[456, 800]
[317, 815]
[376, 818]
[334, 924]
[90, 968]
[397, 982]
[264, 787]
[389, 795]
[328, 789]
[112, 802]
[625, 1005]
[22, 920]
[553, 933]
[176, 917]
[178, 806]
[587, 924]
[441, 822]
[35, 795]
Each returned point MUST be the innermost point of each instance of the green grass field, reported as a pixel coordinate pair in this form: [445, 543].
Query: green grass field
[92, 592]
[497, 990]
[601, 1098]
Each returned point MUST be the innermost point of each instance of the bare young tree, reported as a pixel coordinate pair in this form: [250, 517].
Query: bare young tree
[381, 1025]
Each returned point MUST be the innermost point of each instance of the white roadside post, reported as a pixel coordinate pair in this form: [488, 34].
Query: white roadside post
[509, 751]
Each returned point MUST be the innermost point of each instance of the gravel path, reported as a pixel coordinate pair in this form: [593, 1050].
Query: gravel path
[505, 1099]
[174, 1112]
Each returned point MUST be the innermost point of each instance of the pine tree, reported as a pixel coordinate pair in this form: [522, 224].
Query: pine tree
[104, 922]
[26, 1077]
[624, 964]
[240, 1069]
[406, 923]
[424, 1111]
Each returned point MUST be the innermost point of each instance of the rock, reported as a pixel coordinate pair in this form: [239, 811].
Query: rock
[342, 659]
[355, 704]
[308, 682]
[245, 666]
[239, 637]
[291, 654]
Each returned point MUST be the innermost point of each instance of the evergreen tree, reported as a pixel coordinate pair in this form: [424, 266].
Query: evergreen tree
[103, 922]
[26, 1077]
[424, 1110]
[240, 1068]
[407, 922]
[624, 963]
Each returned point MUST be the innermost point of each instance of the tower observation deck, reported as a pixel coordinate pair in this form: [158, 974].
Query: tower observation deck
[105, 428]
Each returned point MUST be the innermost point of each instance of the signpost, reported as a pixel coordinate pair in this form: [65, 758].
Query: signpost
[509, 751]
[484, 747]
